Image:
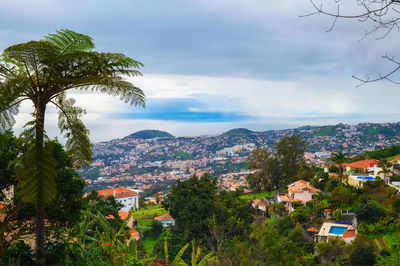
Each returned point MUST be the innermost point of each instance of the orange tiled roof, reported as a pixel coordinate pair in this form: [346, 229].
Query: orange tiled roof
[362, 164]
[134, 233]
[349, 233]
[123, 214]
[164, 217]
[259, 202]
[312, 229]
[299, 186]
[119, 192]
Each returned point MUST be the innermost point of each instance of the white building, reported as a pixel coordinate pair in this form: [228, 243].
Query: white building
[125, 196]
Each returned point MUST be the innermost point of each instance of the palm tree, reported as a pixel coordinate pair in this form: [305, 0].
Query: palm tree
[339, 158]
[386, 168]
[42, 72]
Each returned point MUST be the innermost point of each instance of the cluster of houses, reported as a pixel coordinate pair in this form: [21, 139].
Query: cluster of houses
[130, 201]
[360, 172]
[301, 192]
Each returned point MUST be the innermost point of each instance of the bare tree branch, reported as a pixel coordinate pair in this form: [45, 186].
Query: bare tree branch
[384, 16]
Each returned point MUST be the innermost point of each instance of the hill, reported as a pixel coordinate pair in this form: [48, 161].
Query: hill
[150, 134]
[238, 132]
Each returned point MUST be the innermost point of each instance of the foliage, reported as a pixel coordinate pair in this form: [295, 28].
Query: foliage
[269, 173]
[203, 215]
[361, 252]
[382, 226]
[17, 253]
[149, 134]
[94, 203]
[368, 212]
[339, 159]
[9, 149]
[329, 251]
[396, 205]
[95, 241]
[41, 72]
[342, 196]
[290, 152]
[261, 195]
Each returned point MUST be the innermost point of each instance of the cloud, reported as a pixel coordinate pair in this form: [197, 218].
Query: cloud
[213, 65]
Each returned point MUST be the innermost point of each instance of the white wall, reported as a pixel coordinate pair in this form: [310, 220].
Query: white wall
[129, 202]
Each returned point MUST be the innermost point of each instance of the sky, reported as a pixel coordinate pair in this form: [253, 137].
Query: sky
[211, 66]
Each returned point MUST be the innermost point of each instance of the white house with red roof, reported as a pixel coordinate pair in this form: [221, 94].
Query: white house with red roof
[300, 191]
[123, 195]
[165, 219]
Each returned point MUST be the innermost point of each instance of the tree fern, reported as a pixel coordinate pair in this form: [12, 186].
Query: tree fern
[36, 170]
[42, 72]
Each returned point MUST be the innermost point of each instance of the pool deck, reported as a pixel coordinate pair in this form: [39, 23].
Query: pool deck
[324, 231]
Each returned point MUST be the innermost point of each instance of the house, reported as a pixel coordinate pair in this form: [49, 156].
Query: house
[363, 166]
[260, 205]
[125, 196]
[165, 219]
[358, 180]
[299, 192]
[334, 229]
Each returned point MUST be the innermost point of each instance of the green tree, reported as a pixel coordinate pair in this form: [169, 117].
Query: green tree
[329, 251]
[339, 158]
[342, 197]
[42, 72]
[361, 252]
[203, 215]
[290, 152]
[368, 212]
[386, 168]
[63, 211]
[269, 174]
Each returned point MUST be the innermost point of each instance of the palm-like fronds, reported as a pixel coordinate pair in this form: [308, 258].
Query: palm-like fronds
[42, 71]
[78, 144]
[178, 258]
[36, 171]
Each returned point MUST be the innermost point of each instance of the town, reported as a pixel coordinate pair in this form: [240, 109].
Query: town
[159, 157]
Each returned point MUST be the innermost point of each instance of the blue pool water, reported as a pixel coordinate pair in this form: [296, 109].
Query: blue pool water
[366, 177]
[337, 230]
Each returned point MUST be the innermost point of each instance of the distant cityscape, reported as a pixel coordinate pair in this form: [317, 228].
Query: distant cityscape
[150, 157]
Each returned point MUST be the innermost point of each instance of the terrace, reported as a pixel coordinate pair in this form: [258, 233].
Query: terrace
[336, 229]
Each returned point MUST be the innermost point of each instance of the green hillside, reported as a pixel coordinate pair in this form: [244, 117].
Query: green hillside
[150, 134]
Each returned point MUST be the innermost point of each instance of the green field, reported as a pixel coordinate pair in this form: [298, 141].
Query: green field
[392, 157]
[149, 211]
[261, 195]
[149, 242]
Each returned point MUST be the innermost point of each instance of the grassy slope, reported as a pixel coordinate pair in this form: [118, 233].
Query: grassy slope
[149, 211]
[261, 195]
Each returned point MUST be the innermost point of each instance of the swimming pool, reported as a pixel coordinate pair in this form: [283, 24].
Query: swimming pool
[368, 178]
[337, 230]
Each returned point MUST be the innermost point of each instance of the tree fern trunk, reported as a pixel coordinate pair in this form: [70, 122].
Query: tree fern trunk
[39, 141]
[40, 235]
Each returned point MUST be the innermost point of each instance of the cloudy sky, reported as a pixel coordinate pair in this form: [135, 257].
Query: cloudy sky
[213, 65]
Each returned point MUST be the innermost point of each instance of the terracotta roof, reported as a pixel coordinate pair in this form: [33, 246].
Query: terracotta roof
[299, 186]
[134, 233]
[259, 202]
[119, 192]
[329, 210]
[284, 197]
[123, 214]
[349, 233]
[312, 229]
[164, 217]
[362, 164]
